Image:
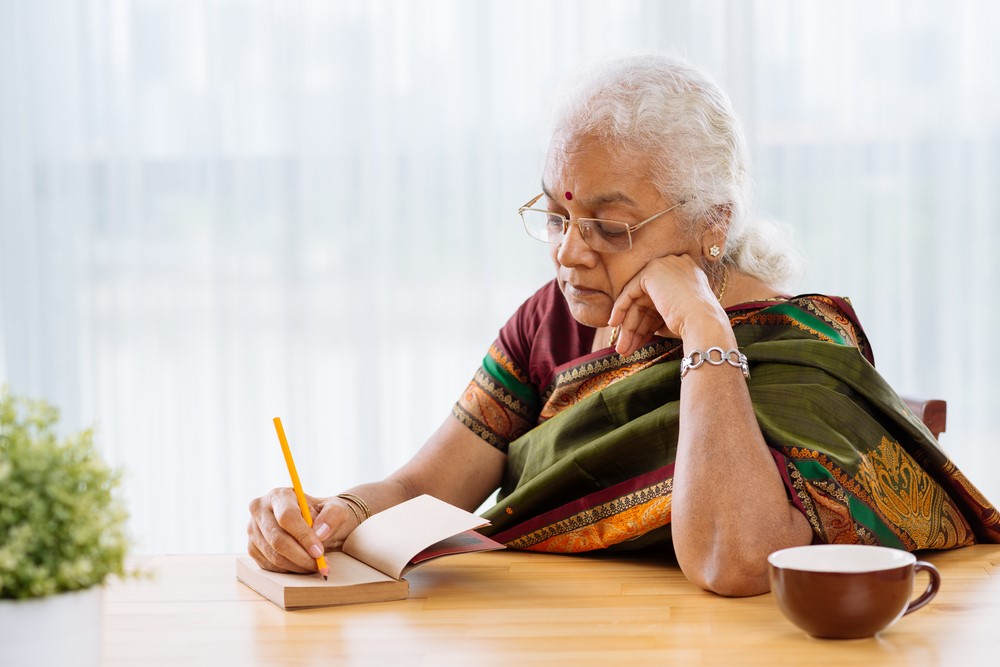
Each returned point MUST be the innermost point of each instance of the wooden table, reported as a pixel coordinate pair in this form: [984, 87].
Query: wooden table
[515, 608]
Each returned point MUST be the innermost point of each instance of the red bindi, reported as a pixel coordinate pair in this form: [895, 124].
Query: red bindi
[569, 196]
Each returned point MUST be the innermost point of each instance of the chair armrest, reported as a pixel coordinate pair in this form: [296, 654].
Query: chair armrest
[932, 412]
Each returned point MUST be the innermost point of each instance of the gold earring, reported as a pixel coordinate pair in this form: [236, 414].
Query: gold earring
[714, 251]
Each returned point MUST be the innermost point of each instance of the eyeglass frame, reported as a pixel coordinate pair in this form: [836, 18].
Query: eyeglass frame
[567, 222]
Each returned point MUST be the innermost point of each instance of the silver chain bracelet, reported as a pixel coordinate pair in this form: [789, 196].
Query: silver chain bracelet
[732, 357]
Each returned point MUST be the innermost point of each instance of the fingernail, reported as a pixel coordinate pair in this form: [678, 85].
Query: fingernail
[315, 551]
[322, 530]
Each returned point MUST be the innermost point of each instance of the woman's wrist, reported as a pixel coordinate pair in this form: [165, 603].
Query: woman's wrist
[352, 511]
[707, 330]
[359, 508]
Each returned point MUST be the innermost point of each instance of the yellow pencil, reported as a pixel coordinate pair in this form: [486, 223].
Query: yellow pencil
[306, 514]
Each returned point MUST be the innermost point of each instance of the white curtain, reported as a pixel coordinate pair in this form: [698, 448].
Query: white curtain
[216, 212]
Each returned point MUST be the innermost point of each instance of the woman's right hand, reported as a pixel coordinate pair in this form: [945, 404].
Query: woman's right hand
[279, 539]
[455, 465]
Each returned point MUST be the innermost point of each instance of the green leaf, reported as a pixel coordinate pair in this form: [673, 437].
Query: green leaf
[63, 520]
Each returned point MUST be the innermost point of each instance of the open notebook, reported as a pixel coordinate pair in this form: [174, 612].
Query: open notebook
[375, 557]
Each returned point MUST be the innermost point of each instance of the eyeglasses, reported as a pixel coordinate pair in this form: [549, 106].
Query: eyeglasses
[600, 235]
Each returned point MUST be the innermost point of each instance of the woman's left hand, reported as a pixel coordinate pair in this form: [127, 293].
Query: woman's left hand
[663, 298]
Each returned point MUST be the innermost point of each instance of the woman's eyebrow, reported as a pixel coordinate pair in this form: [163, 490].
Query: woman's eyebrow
[609, 198]
[548, 194]
[595, 201]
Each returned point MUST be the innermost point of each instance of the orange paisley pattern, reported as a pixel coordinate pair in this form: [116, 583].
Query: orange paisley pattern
[604, 525]
[909, 499]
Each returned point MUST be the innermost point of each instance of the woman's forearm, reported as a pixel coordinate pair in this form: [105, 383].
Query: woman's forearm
[730, 508]
[454, 465]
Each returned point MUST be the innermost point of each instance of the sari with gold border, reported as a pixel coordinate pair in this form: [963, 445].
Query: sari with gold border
[591, 441]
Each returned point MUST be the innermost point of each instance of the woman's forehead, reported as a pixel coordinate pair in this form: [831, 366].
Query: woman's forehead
[589, 173]
[591, 199]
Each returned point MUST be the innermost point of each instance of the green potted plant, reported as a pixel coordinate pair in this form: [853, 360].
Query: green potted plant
[62, 535]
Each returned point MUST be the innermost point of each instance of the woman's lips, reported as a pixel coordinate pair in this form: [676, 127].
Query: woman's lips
[581, 291]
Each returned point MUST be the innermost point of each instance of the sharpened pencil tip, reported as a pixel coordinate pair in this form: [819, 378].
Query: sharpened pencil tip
[324, 577]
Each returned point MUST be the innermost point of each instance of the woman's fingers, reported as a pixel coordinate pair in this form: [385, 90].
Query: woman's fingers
[266, 555]
[279, 539]
[284, 536]
[334, 522]
[660, 297]
[629, 327]
[630, 295]
[635, 337]
[650, 322]
[636, 314]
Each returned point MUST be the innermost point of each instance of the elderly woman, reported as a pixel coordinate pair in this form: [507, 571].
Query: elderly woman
[663, 391]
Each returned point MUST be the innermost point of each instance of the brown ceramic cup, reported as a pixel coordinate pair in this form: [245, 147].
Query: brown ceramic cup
[847, 591]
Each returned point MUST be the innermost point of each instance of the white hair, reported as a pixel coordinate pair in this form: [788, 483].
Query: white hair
[678, 118]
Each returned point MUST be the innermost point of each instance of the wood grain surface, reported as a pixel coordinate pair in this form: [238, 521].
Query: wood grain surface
[516, 608]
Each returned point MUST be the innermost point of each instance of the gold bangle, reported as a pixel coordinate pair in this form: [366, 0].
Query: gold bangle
[354, 508]
[362, 505]
[357, 517]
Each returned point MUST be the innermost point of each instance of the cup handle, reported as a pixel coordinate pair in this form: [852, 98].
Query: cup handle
[932, 586]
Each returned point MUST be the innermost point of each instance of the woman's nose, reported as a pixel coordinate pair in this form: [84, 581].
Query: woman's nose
[574, 250]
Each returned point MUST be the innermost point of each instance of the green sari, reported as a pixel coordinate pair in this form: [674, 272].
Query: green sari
[855, 461]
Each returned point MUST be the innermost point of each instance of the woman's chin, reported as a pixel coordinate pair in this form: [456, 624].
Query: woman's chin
[590, 316]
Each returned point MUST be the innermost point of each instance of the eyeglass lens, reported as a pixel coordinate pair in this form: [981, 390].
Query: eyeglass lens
[601, 235]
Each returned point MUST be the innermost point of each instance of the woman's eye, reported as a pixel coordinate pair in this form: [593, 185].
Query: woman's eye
[555, 222]
[610, 230]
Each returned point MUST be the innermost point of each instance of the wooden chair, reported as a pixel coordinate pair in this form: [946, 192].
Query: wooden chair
[932, 412]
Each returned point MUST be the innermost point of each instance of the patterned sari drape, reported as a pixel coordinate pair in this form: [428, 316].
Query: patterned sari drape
[855, 461]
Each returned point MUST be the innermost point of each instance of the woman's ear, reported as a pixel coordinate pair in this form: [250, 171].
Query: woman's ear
[713, 240]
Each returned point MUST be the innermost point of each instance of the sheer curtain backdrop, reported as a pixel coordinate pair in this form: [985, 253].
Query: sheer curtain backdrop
[216, 212]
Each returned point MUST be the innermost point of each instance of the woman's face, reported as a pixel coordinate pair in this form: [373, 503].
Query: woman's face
[583, 179]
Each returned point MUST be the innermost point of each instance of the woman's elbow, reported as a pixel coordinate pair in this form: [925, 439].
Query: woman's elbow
[729, 577]
[733, 563]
